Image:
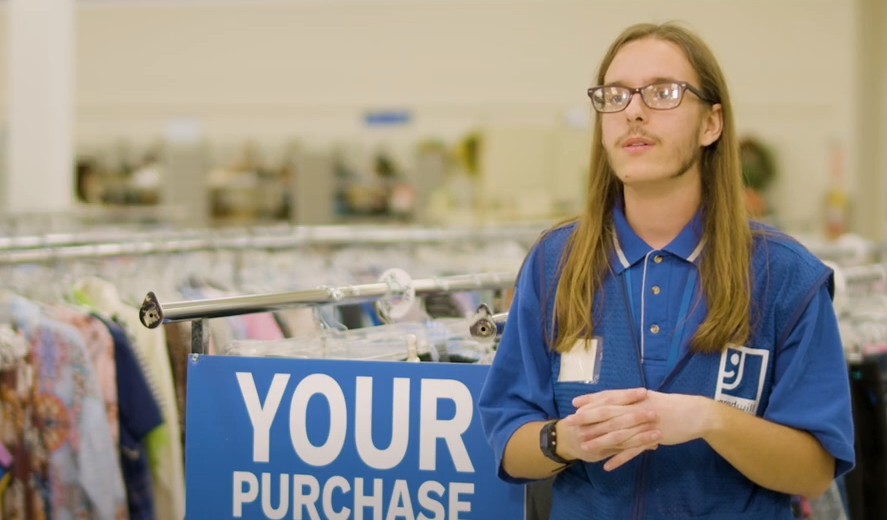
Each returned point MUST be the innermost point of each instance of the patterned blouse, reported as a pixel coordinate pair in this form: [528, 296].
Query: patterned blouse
[74, 463]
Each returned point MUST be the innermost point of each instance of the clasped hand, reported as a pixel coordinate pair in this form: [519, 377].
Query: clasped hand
[619, 425]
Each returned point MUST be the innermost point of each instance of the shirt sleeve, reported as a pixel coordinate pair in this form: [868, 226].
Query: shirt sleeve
[518, 387]
[811, 389]
[138, 409]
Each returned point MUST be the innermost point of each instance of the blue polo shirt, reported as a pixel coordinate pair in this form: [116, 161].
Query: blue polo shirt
[662, 284]
[810, 388]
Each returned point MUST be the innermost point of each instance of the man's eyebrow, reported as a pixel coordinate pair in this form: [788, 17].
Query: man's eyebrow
[649, 81]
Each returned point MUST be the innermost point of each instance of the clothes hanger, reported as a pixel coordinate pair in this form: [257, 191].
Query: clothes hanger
[362, 344]
[446, 340]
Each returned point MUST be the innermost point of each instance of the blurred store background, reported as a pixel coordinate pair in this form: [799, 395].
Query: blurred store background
[190, 151]
[215, 113]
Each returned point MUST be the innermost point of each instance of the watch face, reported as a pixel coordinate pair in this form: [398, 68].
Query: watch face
[546, 438]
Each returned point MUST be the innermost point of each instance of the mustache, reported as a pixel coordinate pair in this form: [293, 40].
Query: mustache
[637, 133]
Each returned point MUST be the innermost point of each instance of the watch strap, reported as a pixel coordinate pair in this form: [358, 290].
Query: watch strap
[549, 443]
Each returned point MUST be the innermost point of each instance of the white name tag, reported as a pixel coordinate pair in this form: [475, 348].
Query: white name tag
[582, 363]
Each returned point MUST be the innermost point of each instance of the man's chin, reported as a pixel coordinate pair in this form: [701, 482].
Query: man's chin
[639, 178]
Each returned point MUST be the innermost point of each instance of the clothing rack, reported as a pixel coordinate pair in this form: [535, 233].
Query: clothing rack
[54, 248]
[865, 273]
[400, 289]
[265, 237]
[486, 326]
[839, 251]
[28, 250]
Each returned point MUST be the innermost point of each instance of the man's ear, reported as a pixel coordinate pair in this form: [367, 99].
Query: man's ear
[712, 126]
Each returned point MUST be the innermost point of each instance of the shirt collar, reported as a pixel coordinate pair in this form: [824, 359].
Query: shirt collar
[629, 248]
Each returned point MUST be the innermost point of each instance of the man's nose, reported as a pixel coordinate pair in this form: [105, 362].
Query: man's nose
[636, 109]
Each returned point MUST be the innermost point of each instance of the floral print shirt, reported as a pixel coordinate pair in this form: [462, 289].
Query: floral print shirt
[83, 480]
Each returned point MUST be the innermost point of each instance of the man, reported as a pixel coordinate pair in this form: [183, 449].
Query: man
[665, 357]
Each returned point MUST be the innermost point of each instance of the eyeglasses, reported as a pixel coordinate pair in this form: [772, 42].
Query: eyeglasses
[658, 96]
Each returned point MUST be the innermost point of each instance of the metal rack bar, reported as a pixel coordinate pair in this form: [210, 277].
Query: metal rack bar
[865, 273]
[276, 236]
[153, 313]
[302, 237]
[84, 252]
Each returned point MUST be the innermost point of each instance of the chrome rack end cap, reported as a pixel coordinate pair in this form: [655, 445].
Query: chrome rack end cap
[151, 313]
[483, 312]
[483, 329]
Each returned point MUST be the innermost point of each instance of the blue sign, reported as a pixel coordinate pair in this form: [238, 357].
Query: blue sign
[272, 438]
[387, 117]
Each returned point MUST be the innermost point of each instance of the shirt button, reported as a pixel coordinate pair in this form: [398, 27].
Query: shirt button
[655, 289]
[654, 329]
[657, 259]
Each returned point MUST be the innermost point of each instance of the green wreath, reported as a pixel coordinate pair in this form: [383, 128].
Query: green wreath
[758, 165]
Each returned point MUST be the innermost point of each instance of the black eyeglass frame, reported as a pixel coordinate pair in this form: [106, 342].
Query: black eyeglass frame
[640, 90]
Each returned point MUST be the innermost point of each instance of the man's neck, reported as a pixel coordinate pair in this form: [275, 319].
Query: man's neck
[658, 213]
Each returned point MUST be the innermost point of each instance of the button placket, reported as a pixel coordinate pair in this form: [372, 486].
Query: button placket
[656, 309]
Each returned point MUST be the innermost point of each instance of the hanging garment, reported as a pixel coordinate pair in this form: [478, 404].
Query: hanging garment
[164, 443]
[101, 351]
[139, 416]
[797, 509]
[178, 346]
[262, 326]
[296, 322]
[867, 483]
[83, 478]
[21, 496]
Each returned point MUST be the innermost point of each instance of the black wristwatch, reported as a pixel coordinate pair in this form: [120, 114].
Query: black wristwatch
[548, 443]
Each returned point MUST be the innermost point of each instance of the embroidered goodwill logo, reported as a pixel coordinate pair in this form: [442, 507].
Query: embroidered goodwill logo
[741, 377]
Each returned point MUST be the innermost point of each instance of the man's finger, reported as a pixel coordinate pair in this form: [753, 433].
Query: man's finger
[624, 457]
[613, 397]
[623, 439]
[590, 415]
[623, 421]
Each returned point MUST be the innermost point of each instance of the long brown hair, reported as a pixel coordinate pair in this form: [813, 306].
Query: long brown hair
[724, 267]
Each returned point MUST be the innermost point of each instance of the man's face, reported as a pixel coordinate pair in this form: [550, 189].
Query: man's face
[645, 145]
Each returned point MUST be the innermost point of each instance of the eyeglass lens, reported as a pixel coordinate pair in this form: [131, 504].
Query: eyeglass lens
[660, 96]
